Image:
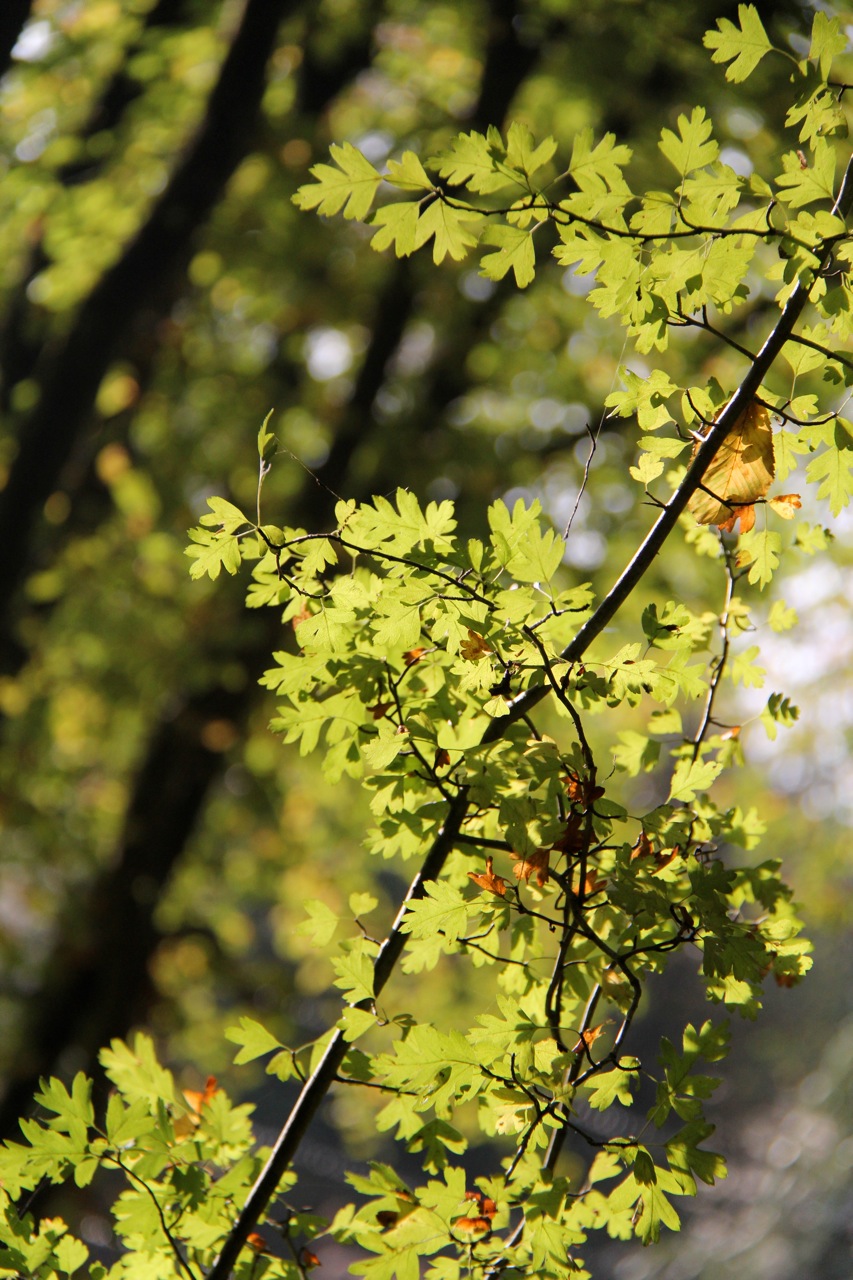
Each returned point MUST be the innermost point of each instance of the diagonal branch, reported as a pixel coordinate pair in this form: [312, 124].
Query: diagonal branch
[319, 1083]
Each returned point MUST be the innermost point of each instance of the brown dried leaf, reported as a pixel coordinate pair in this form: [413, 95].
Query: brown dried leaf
[537, 862]
[574, 838]
[589, 1037]
[488, 880]
[475, 647]
[198, 1100]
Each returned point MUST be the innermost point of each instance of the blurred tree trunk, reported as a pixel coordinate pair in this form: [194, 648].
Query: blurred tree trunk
[96, 984]
[13, 16]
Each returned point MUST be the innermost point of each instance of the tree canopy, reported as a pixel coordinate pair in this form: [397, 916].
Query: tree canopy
[520, 455]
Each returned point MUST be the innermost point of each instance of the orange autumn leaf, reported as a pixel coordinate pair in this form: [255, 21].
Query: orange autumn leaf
[302, 616]
[476, 1226]
[574, 787]
[642, 848]
[442, 758]
[745, 513]
[588, 1038]
[411, 656]
[580, 790]
[475, 647]
[537, 862]
[485, 1206]
[198, 1100]
[380, 709]
[785, 505]
[739, 474]
[592, 884]
[488, 880]
[308, 1259]
[257, 1242]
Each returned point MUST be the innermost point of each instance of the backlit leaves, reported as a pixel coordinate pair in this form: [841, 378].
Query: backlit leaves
[349, 188]
[424, 665]
[742, 45]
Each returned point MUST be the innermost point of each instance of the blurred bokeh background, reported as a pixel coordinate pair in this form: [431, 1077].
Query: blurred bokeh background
[159, 294]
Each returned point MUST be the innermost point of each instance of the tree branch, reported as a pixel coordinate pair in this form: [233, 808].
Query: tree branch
[319, 1083]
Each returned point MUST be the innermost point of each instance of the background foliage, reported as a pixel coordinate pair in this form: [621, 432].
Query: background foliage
[160, 293]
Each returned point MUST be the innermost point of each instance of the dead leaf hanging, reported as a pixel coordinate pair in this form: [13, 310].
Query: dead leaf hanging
[537, 862]
[488, 880]
[739, 474]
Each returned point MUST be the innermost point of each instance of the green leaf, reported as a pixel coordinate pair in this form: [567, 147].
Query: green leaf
[212, 552]
[614, 1086]
[743, 46]
[450, 226]
[351, 186]
[760, 550]
[442, 910]
[827, 40]
[354, 967]
[781, 617]
[265, 438]
[645, 397]
[386, 746]
[361, 904]
[521, 152]
[355, 1023]
[409, 174]
[136, 1072]
[832, 470]
[321, 924]
[515, 252]
[70, 1254]
[693, 147]
[800, 185]
[470, 162]
[692, 776]
[598, 168]
[254, 1039]
[396, 225]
